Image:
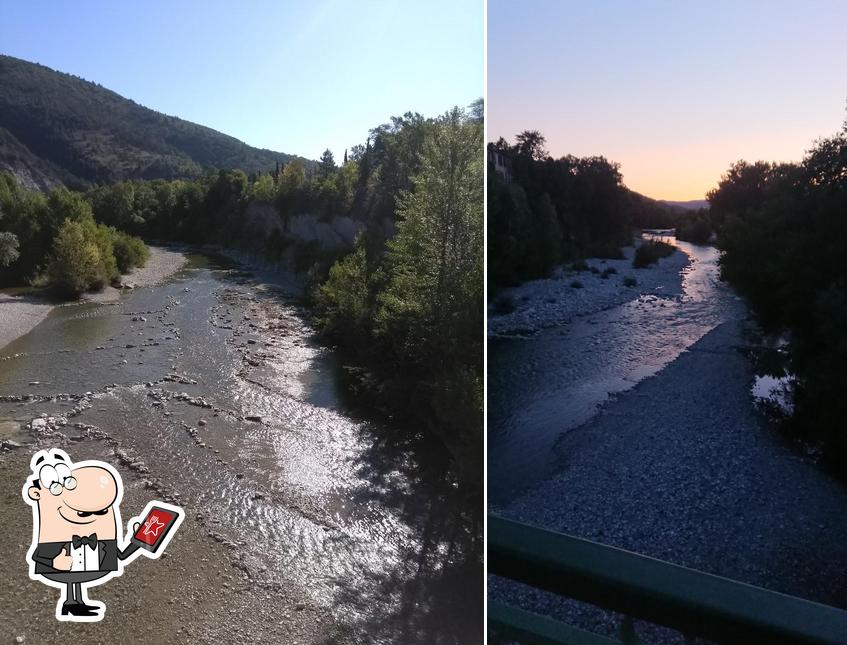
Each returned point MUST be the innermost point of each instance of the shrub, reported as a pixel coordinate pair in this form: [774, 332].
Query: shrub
[576, 284]
[609, 271]
[650, 252]
[629, 281]
[594, 270]
[129, 251]
[579, 265]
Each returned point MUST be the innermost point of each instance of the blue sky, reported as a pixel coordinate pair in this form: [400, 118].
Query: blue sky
[673, 90]
[295, 77]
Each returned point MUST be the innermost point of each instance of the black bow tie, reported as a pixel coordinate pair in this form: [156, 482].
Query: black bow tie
[91, 541]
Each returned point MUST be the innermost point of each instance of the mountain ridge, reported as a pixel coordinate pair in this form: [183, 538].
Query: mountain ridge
[60, 129]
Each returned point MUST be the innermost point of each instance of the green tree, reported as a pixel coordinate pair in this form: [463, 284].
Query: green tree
[75, 263]
[263, 188]
[326, 166]
[433, 302]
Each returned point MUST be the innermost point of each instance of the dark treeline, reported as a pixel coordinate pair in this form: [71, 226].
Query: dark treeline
[783, 231]
[406, 310]
[546, 211]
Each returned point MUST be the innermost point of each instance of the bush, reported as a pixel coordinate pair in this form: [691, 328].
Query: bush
[87, 256]
[697, 231]
[129, 251]
[576, 284]
[594, 270]
[629, 281]
[609, 271]
[650, 252]
[579, 265]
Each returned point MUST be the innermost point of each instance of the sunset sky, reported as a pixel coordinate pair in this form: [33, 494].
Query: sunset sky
[673, 91]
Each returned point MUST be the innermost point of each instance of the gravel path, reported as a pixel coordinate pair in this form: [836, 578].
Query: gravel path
[683, 468]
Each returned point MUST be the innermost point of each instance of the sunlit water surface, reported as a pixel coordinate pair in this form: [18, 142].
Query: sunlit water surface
[361, 516]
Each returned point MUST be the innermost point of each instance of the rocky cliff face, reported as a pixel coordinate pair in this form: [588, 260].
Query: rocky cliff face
[304, 239]
[335, 233]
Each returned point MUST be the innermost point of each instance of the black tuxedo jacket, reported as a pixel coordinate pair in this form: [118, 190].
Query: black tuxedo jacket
[46, 551]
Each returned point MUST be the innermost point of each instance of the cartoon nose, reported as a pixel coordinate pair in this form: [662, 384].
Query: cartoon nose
[96, 489]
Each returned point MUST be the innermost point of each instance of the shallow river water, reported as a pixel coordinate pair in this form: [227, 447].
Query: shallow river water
[213, 385]
[545, 385]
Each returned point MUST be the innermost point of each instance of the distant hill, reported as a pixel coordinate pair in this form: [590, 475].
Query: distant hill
[690, 205]
[56, 128]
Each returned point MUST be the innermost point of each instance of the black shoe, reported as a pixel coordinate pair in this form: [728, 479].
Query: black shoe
[78, 609]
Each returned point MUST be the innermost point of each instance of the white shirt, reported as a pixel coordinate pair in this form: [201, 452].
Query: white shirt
[85, 558]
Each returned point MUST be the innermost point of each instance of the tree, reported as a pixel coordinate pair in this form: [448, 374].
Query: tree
[432, 305]
[530, 144]
[477, 110]
[76, 259]
[326, 166]
[293, 177]
[263, 188]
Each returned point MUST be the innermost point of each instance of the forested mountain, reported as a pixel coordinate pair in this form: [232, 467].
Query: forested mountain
[56, 128]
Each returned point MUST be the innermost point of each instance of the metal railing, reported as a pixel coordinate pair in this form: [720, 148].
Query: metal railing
[694, 603]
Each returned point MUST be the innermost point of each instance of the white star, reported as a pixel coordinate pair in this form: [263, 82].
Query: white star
[153, 526]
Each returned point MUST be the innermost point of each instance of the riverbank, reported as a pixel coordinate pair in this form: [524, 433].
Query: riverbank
[550, 302]
[20, 313]
[162, 263]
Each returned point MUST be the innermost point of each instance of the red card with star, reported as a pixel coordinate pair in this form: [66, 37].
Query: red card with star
[154, 528]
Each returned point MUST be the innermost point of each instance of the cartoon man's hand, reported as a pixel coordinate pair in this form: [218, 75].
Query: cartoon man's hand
[63, 561]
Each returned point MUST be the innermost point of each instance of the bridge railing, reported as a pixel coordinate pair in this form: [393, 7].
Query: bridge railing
[695, 603]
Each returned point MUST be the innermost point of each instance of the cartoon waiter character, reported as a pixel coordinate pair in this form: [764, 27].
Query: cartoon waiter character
[77, 537]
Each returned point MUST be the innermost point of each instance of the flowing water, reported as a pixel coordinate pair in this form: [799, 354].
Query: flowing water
[543, 386]
[215, 385]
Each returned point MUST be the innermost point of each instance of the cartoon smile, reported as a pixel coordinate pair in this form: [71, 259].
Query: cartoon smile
[79, 514]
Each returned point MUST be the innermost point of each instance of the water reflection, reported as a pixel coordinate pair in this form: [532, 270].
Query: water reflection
[361, 517]
[546, 385]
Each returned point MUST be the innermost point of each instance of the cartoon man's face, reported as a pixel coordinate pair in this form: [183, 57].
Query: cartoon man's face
[75, 502]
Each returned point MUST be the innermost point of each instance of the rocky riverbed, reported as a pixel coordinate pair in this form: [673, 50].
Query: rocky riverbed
[665, 453]
[304, 523]
[568, 293]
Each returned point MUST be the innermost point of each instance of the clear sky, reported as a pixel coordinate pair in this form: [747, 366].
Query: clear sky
[673, 91]
[295, 76]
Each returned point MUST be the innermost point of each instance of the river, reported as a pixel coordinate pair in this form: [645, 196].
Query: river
[544, 386]
[635, 426]
[212, 390]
